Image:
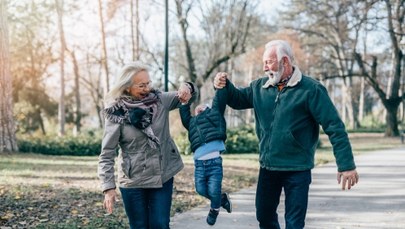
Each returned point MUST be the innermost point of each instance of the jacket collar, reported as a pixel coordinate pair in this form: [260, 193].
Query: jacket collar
[295, 78]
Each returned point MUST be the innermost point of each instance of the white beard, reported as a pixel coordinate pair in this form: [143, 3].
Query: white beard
[274, 77]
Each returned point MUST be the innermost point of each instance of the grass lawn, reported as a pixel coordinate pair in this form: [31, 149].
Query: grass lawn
[63, 191]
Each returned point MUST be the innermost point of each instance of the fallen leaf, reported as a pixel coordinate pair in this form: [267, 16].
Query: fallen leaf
[43, 220]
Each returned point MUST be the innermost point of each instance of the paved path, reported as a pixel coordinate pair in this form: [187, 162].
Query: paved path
[377, 202]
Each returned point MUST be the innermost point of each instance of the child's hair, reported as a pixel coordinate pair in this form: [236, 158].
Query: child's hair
[200, 108]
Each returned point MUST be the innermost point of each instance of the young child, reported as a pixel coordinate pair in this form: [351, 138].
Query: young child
[207, 135]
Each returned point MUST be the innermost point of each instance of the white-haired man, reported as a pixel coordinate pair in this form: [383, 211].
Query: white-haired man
[289, 107]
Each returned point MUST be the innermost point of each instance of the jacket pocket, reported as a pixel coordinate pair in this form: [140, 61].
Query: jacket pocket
[126, 165]
[171, 156]
[294, 141]
[284, 142]
[133, 164]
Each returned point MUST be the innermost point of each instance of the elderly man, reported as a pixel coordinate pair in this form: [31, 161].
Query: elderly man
[289, 107]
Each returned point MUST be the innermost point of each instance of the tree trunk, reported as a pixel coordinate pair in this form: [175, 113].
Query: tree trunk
[135, 29]
[61, 113]
[354, 109]
[8, 141]
[78, 113]
[192, 72]
[104, 62]
[344, 102]
[40, 120]
[361, 101]
[392, 120]
[395, 17]
[94, 89]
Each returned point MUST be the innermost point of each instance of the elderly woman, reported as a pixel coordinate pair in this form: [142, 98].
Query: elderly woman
[137, 123]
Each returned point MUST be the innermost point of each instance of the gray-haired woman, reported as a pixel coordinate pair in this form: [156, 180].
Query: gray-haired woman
[137, 123]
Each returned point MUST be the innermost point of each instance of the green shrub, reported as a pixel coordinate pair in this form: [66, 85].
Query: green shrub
[239, 140]
[183, 143]
[87, 145]
[242, 140]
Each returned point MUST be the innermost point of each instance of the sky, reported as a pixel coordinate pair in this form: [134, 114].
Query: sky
[154, 26]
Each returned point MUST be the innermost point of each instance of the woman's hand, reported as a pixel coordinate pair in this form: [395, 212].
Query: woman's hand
[184, 93]
[109, 200]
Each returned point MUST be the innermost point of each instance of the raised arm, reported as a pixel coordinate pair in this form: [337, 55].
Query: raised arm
[185, 115]
[187, 92]
[237, 98]
[220, 100]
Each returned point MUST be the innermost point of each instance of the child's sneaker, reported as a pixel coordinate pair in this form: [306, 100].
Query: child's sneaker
[226, 202]
[212, 216]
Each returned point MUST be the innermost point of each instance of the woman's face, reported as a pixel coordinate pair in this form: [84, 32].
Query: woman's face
[141, 85]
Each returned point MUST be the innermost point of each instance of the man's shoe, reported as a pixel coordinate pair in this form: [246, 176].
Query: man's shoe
[212, 216]
[226, 202]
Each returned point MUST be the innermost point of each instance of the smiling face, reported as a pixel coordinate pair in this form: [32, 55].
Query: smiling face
[141, 85]
[271, 66]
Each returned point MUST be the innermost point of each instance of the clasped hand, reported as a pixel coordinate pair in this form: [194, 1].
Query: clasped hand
[184, 93]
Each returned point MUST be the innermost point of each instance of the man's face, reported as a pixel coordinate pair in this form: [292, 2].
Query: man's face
[271, 67]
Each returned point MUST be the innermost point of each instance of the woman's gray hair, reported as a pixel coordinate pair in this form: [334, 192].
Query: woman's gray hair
[282, 49]
[124, 81]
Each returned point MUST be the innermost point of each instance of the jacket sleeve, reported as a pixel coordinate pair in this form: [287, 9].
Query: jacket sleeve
[239, 98]
[106, 161]
[220, 99]
[325, 113]
[171, 101]
[185, 115]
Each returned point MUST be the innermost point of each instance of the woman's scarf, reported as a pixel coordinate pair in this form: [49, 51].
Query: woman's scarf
[139, 113]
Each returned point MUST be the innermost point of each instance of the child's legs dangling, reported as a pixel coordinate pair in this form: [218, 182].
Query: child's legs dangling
[214, 175]
[200, 180]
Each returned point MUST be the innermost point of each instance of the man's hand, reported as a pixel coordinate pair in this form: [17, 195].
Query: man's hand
[220, 80]
[184, 93]
[109, 200]
[348, 178]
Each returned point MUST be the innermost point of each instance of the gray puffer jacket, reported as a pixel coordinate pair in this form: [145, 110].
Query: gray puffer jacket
[139, 164]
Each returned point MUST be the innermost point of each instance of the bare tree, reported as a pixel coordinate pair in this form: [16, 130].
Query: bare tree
[77, 110]
[93, 85]
[395, 14]
[226, 26]
[8, 141]
[332, 30]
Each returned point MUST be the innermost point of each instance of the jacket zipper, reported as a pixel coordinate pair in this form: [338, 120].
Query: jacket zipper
[199, 132]
[275, 107]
